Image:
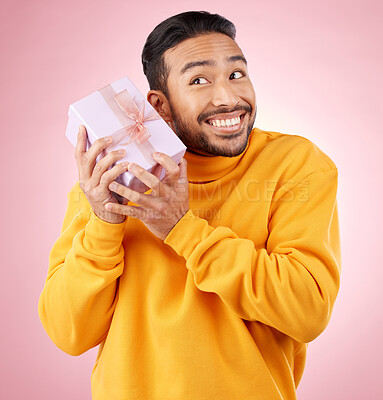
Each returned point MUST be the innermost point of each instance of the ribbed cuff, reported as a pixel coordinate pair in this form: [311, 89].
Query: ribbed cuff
[189, 231]
[103, 238]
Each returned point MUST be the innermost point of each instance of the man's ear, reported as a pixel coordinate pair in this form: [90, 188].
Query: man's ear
[161, 104]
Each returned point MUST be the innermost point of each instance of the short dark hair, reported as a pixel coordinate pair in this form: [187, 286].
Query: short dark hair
[170, 33]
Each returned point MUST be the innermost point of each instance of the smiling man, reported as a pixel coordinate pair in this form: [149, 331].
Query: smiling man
[210, 284]
[209, 96]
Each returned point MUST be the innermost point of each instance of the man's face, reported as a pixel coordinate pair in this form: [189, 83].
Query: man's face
[211, 97]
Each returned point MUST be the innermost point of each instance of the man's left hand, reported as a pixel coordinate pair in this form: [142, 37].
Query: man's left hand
[168, 201]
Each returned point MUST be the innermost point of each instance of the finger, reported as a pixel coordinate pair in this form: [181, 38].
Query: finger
[140, 187]
[81, 141]
[145, 177]
[156, 170]
[171, 167]
[131, 211]
[89, 158]
[112, 174]
[80, 150]
[140, 199]
[104, 164]
[183, 170]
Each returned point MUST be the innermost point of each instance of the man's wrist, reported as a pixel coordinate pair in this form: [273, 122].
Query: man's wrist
[109, 217]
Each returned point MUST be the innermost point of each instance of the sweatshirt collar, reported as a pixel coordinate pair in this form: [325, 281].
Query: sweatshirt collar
[204, 169]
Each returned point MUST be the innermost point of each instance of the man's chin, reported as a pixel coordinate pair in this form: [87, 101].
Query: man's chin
[230, 136]
[231, 144]
[212, 142]
[227, 146]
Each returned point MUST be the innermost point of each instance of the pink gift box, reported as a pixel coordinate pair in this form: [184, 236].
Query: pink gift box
[121, 111]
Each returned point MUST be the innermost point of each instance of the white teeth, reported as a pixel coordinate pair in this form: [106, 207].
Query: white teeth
[225, 122]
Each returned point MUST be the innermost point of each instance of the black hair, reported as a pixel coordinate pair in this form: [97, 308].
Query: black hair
[170, 33]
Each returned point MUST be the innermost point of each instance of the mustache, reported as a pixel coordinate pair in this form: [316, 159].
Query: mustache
[223, 110]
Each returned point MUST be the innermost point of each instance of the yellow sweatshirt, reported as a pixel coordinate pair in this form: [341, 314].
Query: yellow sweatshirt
[223, 308]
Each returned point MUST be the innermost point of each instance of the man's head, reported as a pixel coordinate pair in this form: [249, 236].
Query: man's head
[199, 82]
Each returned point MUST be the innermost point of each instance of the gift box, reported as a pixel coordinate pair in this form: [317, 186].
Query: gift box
[121, 111]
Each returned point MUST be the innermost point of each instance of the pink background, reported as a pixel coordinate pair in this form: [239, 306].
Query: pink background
[317, 72]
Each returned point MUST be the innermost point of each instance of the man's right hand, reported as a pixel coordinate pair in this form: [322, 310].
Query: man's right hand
[94, 178]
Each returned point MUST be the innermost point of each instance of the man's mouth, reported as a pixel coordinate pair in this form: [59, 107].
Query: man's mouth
[227, 122]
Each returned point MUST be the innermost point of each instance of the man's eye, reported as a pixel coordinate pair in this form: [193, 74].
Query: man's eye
[199, 81]
[237, 75]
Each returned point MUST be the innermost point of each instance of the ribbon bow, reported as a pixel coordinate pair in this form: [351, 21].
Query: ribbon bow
[131, 114]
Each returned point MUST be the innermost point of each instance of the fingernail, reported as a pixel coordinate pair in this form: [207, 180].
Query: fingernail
[121, 151]
[108, 139]
[131, 166]
[156, 155]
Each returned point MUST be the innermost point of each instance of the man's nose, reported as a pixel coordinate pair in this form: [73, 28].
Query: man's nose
[224, 95]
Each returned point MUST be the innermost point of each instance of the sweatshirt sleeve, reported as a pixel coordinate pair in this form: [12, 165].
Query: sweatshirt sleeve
[292, 283]
[79, 296]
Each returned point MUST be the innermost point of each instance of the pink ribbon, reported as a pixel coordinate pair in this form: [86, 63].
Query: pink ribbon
[131, 115]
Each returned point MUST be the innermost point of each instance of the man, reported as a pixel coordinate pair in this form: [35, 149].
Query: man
[210, 283]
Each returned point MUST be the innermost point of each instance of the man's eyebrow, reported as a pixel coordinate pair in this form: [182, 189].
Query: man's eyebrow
[194, 64]
[237, 58]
